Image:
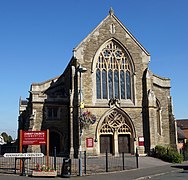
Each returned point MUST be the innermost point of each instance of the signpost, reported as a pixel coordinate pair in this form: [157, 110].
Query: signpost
[22, 155]
[32, 138]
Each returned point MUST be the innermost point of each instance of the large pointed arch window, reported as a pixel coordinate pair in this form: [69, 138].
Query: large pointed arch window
[113, 73]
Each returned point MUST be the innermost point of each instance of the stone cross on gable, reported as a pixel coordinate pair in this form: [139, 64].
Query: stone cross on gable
[111, 11]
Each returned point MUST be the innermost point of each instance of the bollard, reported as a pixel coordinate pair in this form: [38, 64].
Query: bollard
[106, 160]
[85, 162]
[23, 167]
[55, 158]
[123, 158]
[137, 158]
[15, 165]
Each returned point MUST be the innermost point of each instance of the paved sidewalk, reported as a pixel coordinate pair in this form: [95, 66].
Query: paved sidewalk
[148, 162]
[146, 172]
[148, 167]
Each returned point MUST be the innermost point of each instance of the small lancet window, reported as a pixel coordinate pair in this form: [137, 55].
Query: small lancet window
[158, 116]
[112, 29]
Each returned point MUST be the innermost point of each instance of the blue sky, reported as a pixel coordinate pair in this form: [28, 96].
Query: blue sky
[37, 38]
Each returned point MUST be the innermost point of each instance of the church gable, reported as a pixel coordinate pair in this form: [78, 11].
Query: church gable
[109, 28]
[88, 52]
[99, 52]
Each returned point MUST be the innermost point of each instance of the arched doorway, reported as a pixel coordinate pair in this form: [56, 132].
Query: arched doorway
[116, 133]
[55, 141]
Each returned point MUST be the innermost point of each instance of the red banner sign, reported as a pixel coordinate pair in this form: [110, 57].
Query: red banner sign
[33, 137]
[89, 142]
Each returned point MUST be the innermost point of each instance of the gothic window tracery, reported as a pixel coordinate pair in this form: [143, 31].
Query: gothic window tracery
[113, 73]
[115, 122]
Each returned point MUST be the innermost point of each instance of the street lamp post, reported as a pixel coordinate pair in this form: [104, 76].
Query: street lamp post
[80, 70]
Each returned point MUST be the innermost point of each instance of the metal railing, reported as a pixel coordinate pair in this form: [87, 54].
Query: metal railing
[90, 164]
[109, 163]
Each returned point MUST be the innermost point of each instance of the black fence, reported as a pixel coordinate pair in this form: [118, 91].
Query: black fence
[109, 163]
[8, 149]
[90, 164]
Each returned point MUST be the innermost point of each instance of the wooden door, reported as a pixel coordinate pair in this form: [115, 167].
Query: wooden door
[106, 143]
[124, 143]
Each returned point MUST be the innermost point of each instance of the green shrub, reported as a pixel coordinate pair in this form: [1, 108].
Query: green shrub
[160, 151]
[168, 154]
[173, 156]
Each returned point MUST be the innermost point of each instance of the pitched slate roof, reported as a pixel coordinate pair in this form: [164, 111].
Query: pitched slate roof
[182, 123]
[181, 134]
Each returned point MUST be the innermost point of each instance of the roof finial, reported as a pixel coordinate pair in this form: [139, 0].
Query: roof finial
[111, 12]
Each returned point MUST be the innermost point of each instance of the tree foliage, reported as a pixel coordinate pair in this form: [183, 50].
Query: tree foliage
[7, 138]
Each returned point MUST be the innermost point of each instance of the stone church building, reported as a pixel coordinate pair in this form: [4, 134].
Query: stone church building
[106, 99]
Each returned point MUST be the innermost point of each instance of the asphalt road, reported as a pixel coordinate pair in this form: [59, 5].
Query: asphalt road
[180, 175]
[167, 172]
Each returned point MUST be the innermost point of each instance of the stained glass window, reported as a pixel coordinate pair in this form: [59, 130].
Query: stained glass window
[98, 83]
[110, 85]
[128, 85]
[122, 81]
[116, 83]
[113, 73]
[104, 84]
